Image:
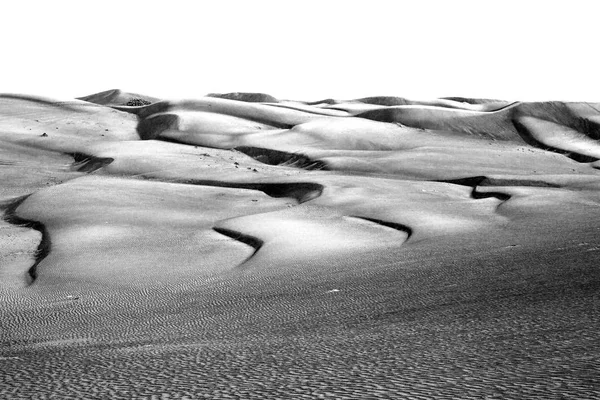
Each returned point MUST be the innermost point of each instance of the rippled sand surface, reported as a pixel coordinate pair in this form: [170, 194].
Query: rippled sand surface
[240, 246]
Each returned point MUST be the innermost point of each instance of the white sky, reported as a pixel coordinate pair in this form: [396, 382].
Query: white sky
[305, 50]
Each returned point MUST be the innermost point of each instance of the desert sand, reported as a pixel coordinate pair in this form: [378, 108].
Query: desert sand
[243, 246]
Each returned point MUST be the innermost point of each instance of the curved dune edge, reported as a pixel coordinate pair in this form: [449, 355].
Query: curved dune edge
[44, 247]
[307, 232]
[251, 241]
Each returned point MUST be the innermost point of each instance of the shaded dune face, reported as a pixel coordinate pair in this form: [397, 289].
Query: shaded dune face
[242, 246]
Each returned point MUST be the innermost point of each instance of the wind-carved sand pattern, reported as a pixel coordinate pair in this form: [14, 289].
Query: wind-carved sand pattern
[242, 246]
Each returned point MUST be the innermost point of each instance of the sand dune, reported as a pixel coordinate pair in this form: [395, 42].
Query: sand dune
[272, 114]
[117, 97]
[559, 137]
[102, 227]
[247, 97]
[243, 246]
[461, 104]
[61, 125]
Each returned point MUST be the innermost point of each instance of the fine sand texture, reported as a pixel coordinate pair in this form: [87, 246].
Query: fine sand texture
[240, 246]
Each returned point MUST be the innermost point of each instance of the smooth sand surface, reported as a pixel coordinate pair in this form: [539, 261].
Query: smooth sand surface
[243, 246]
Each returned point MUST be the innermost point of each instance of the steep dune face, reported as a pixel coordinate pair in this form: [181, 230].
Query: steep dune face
[238, 245]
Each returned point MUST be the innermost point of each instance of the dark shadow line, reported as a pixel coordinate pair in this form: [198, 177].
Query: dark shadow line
[475, 181]
[300, 191]
[43, 249]
[393, 225]
[282, 158]
[86, 163]
[324, 101]
[251, 241]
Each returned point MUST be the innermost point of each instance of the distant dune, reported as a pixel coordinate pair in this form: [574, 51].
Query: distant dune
[243, 246]
[116, 97]
[248, 97]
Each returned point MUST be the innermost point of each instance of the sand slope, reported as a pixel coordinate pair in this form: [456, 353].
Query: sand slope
[242, 246]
